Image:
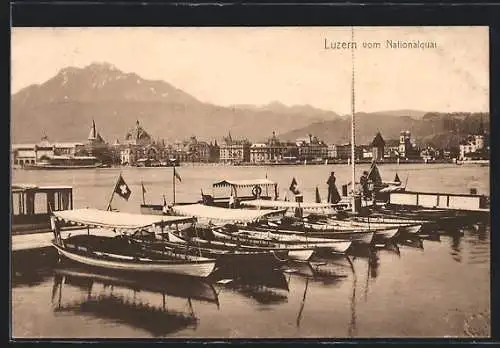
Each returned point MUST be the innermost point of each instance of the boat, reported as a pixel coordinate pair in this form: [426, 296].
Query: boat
[221, 216]
[32, 206]
[319, 208]
[371, 223]
[120, 253]
[65, 162]
[293, 224]
[299, 252]
[337, 246]
[356, 237]
[225, 255]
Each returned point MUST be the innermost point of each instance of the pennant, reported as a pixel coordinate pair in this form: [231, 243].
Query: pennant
[374, 175]
[318, 197]
[177, 175]
[293, 187]
[122, 189]
[396, 178]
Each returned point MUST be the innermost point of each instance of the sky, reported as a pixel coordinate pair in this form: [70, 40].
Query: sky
[228, 66]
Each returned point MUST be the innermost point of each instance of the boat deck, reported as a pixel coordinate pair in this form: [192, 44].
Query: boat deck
[43, 240]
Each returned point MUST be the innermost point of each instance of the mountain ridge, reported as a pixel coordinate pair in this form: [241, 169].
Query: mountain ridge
[64, 106]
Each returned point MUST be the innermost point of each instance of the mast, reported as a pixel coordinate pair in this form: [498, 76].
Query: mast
[353, 146]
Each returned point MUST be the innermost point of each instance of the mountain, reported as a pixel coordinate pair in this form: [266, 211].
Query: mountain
[437, 129]
[418, 114]
[63, 108]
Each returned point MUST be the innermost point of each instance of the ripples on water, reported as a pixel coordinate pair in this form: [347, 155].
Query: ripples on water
[433, 287]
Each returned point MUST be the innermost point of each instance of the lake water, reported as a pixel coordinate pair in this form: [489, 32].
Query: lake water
[418, 288]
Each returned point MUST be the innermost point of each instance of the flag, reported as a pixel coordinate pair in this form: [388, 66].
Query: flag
[318, 197]
[122, 189]
[164, 201]
[293, 187]
[177, 175]
[396, 178]
[374, 175]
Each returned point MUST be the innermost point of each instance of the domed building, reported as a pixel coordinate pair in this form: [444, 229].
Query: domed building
[138, 136]
[139, 148]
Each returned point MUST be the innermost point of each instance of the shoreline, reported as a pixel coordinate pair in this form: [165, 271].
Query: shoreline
[334, 162]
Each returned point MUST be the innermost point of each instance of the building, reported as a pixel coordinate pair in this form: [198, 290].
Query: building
[259, 153]
[378, 145]
[407, 146]
[404, 143]
[391, 149]
[95, 142]
[214, 152]
[137, 145]
[198, 151]
[137, 136]
[24, 154]
[332, 151]
[343, 151]
[311, 148]
[472, 146]
[273, 151]
[234, 150]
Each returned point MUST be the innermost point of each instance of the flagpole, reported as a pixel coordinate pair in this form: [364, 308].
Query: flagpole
[113, 193]
[353, 134]
[143, 198]
[173, 183]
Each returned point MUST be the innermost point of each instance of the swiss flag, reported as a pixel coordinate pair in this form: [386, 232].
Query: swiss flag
[122, 189]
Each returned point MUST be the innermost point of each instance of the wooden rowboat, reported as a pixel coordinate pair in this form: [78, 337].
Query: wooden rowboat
[122, 254]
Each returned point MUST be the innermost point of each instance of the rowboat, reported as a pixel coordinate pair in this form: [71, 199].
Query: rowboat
[120, 253]
[225, 255]
[337, 246]
[386, 232]
[298, 252]
[409, 227]
[357, 237]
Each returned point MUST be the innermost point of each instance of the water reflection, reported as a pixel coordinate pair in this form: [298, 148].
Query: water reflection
[456, 252]
[113, 296]
[264, 287]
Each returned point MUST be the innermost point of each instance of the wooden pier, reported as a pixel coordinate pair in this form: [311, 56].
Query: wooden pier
[452, 201]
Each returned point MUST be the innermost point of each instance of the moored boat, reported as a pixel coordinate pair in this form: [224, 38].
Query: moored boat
[120, 253]
[299, 252]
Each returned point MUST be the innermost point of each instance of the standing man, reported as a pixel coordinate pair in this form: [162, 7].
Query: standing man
[364, 185]
[333, 193]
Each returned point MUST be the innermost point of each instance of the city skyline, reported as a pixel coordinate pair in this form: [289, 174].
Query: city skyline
[289, 65]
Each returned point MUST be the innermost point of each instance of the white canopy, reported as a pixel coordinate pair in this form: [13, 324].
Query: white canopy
[224, 214]
[244, 183]
[262, 203]
[117, 220]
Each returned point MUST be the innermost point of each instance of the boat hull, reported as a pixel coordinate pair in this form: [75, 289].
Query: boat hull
[193, 268]
[356, 237]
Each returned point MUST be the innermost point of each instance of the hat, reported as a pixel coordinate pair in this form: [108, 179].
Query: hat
[332, 173]
[365, 172]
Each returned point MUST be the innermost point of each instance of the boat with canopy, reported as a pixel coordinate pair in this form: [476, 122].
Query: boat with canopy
[121, 253]
[322, 208]
[217, 215]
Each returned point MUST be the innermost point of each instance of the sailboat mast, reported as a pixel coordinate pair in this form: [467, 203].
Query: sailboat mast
[353, 141]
